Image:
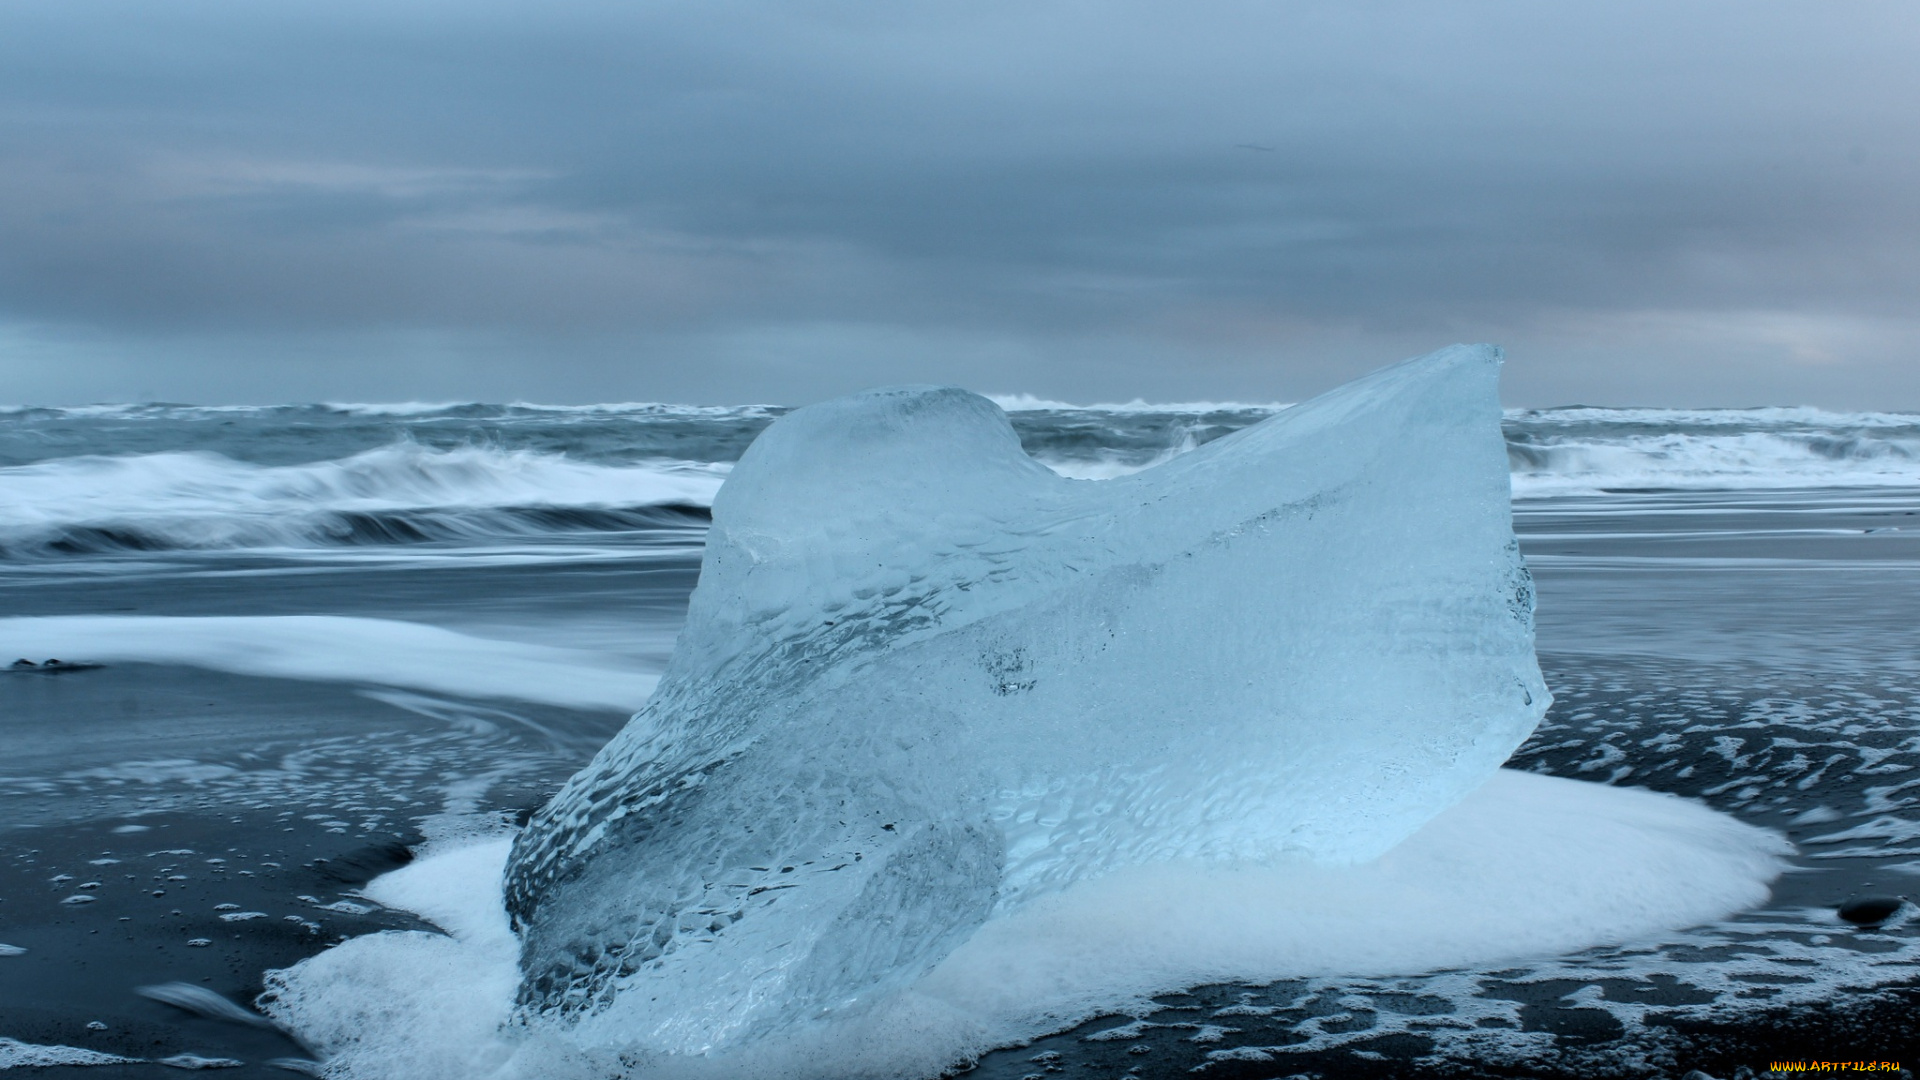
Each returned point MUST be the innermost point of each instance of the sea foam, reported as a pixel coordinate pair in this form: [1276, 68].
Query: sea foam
[402, 492]
[336, 648]
[1526, 866]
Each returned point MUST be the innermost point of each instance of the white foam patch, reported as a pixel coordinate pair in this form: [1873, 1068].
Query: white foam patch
[413, 1005]
[1588, 451]
[471, 911]
[336, 648]
[15, 1054]
[1527, 866]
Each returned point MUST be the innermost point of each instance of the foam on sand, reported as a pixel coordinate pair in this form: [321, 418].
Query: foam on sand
[15, 1054]
[413, 1005]
[335, 648]
[1526, 866]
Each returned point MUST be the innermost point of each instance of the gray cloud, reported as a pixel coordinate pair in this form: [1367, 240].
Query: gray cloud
[1708, 203]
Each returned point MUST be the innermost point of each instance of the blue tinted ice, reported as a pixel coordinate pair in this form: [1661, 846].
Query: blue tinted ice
[924, 680]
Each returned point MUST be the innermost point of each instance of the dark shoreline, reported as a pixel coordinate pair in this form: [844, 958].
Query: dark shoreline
[226, 795]
[1784, 691]
[1882, 1025]
[61, 984]
[66, 979]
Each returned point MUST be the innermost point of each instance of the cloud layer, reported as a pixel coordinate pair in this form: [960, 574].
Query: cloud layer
[1708, 203]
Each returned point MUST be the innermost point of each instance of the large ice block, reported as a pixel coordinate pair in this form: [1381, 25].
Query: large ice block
[924, 680]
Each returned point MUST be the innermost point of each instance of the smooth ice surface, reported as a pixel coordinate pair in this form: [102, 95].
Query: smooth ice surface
[925, 680]
[337, 648]
[1524, 867]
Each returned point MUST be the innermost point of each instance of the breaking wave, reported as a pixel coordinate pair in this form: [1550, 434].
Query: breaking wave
[1579, 450]
[1570, 451]
[402, 410]
[1013, 403]
[185, 478]
[1584, 450]
[402, 493]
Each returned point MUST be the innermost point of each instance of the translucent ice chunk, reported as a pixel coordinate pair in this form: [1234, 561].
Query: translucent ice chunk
[924, 680]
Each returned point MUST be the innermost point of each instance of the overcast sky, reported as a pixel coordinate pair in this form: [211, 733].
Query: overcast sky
[1658, 203]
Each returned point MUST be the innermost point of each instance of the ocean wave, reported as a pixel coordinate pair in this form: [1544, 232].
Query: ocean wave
[414, 410]
[1796, 417]
[1029, 403]
[335, 529]
[1569, 451]
[1564, 451]
[403, 493]
[318, 477]
[1592, 461]
[394, 410]
[1595, 462]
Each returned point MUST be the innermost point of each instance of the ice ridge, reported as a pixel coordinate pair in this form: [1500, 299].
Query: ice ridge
[924, 680]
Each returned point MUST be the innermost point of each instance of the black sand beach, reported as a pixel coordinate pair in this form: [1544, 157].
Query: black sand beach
[170, 823]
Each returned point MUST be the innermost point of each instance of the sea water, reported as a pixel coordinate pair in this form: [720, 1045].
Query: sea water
[328, 636]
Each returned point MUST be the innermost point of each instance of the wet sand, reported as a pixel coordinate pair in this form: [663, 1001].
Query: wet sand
[172, 825]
